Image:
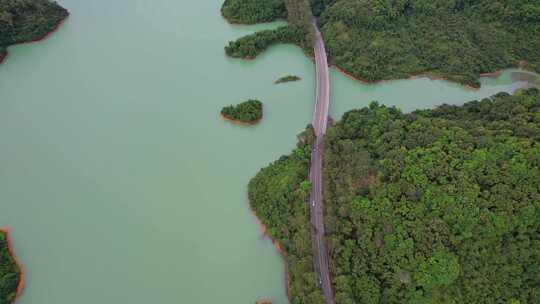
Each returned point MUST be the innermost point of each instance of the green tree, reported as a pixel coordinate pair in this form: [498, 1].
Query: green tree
[440, 270]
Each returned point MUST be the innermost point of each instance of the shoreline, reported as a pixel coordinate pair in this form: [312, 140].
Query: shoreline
[22, 282]
[412, 77]
[521, 65]
[238, 122]
[37, 39]
[494, 74]
[49, 33]
[423, 75]
[277, 246]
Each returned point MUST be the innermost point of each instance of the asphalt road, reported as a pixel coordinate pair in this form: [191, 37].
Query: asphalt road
[320, 121]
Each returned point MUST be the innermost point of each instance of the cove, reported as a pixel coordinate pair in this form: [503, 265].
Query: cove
[120, 181]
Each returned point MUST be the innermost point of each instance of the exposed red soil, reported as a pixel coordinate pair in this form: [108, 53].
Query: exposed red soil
[492, 74]
[237, 122]
[47, 35]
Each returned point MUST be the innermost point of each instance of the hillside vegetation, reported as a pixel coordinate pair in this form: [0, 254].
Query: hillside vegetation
[386, 39]
[458, 40]
[298, 31]
[278, 195]
[27, 20]
[436, 206]
[250, 46]
[9, 272]
[253, 11]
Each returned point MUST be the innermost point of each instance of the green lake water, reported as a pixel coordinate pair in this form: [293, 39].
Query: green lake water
[118, 177]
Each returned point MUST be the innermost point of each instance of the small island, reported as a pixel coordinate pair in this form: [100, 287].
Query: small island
[247, 112]
[288, 78]
[28, 20]
[11, 278]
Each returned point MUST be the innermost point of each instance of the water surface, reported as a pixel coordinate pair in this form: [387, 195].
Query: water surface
[119, 179]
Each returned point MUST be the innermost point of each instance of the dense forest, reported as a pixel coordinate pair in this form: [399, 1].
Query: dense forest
[253, 11]
[249, 111]
[27, 20]
[458, 39]
[9, 272]
[386, 39]
[259, 11]
[278, 195]
[435, 206]
[298, 31]
[250, 46]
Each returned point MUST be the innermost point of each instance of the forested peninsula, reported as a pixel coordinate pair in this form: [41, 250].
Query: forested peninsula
[375, 40]
[435, 206]
[298, 31]
[27, 20]
[10, 272]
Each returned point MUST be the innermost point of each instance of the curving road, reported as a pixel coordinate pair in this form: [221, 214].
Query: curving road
[320, 121]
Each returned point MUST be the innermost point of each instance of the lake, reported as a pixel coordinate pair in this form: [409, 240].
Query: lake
[118, 177]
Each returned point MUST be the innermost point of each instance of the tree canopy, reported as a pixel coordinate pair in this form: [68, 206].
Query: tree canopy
[248, 111]
[299, 30]
[458, 39]
[435, 206]
[387, 39]
[278, 195]
[253, 11]
[250, 46]
[10, 274]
